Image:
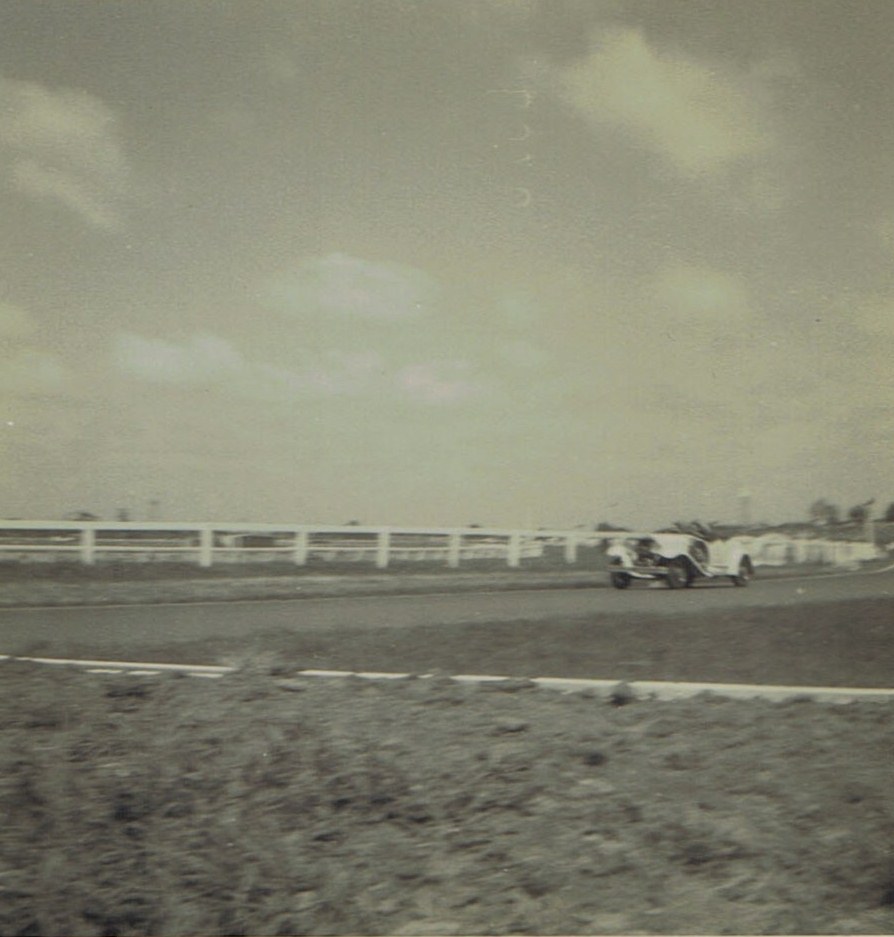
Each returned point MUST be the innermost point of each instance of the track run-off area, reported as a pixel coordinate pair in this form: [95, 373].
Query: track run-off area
[831, 630]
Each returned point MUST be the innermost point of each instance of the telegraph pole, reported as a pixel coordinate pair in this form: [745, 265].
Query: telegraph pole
[745, 508]
[868, 522]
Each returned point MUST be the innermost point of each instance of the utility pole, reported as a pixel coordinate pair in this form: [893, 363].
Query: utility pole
[868, 522]
[745, 508]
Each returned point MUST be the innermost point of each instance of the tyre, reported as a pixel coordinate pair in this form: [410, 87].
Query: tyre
[745, 573]
[679, 575]
[620, 580]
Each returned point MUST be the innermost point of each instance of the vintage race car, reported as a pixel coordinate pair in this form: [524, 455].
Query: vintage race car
[677, 558]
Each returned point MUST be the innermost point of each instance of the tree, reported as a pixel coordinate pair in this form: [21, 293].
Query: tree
[859, 513]
[81, 516]
[822, 512]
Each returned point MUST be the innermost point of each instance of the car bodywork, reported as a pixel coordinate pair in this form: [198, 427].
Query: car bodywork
[679, 559]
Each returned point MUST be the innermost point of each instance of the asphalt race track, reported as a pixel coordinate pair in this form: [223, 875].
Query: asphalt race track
[832, 629]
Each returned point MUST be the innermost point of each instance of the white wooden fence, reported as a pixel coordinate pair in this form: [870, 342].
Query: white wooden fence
[774, 550]
[205, 543]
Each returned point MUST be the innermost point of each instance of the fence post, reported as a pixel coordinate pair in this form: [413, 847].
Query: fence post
[514, 548]
[383, 546]
[88, 546]
[206, 545]
[301, 541]
[571, 548]
[453, 548]
[869, 528]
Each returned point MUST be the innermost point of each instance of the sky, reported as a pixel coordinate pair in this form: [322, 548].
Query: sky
[502, 262]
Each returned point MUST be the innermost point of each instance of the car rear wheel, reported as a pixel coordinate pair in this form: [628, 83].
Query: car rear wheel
[745, 573]
[679, 575]
[620, 580]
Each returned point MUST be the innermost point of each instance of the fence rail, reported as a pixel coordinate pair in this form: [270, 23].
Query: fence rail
[206, 542]
[209, 541]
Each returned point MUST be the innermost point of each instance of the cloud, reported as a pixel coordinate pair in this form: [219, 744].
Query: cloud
[700, 118]
[518, 308]
[280, 67]
[523, 354]
[30, 371]
[335, 374]
[338, 284]
[490, 13]
[25, 370]
[430, 382]
[202, 359]
[210, 361]
[699, 295]
[63, 145]
[875, 317]
[205, 359]
[15, 323]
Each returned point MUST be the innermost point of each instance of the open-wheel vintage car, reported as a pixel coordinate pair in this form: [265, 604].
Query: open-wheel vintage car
[680, 559]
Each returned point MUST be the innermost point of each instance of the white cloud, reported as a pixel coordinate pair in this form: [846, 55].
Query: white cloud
[523, 354]
[700, 117]
[24, 369]
[15, 323]
[876, 317]
[699, 295]
[518, 308]
[205, 360]
[62, 144]
[335, 374]
[280, 67]
[350, 286]
[30, 371]
[210, 361]
[496, 13]
[202, 359]
[430, 382]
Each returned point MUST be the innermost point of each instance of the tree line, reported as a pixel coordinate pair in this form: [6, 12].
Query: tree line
[825, 512]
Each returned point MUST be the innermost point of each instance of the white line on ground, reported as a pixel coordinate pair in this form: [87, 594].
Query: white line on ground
[641, 689]
[114, 666]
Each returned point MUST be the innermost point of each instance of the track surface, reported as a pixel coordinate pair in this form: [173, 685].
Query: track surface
[833, 630]
[124, 626]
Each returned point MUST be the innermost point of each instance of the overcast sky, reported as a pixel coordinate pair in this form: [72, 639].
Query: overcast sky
[417, 263]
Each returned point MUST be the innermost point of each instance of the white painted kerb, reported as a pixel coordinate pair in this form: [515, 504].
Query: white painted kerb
[640, 689]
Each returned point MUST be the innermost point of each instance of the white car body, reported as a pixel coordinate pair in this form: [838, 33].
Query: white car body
[679, 559]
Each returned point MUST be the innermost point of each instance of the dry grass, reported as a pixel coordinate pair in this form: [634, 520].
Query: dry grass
[264, 803]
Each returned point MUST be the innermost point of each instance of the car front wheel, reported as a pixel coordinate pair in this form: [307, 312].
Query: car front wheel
[620, 580]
